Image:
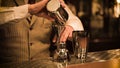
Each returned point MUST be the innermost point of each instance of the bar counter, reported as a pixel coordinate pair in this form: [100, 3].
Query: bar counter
[100, 59]
[114, 63]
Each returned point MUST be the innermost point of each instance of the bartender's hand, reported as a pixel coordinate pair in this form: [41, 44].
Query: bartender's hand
[68, 30]
[62, 3]
[66, 33]
[37, 7]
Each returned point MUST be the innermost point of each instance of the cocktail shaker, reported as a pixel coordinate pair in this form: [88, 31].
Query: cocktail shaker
[55, 8]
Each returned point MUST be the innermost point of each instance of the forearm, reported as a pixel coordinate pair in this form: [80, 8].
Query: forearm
[73, 20]
[20, 12]
[75, 23]
[13, 13]
[35, 8]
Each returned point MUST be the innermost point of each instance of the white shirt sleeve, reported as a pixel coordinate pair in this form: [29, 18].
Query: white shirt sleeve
[13, 13]
[73, 21]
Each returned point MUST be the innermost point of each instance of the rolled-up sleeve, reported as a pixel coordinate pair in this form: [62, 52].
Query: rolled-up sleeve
[73, 21]
[13, 13]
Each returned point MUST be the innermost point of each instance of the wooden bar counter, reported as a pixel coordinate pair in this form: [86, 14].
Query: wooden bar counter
[114, 63]
[101, 59]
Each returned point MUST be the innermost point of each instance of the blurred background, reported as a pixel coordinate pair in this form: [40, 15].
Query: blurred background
[101, 18]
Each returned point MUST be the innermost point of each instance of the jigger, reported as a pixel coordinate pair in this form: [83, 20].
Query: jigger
[62, 53]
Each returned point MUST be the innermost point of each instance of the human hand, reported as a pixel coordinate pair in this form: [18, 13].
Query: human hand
[66, 33]
[62, 3]
[37, 7]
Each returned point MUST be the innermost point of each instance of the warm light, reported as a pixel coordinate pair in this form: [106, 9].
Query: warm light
[117, 9]
[118, 1]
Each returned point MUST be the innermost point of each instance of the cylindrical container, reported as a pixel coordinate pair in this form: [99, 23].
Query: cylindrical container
[81, 45]
[54, 7]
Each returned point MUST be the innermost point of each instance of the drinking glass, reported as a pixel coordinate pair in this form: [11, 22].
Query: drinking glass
[81, 45]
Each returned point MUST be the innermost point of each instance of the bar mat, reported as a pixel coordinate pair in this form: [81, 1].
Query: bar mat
[103, 55]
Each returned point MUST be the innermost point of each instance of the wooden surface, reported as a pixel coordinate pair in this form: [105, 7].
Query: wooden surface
[102, 59]
[114, 63]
